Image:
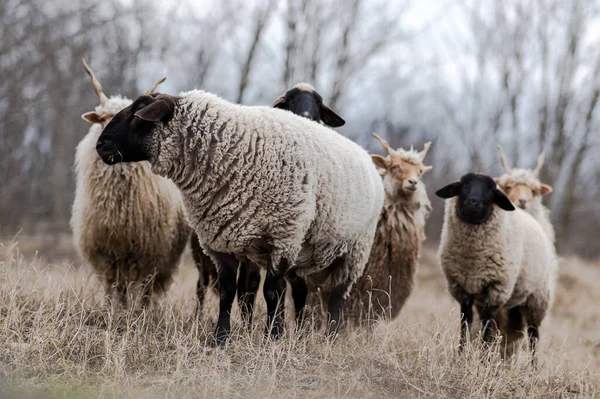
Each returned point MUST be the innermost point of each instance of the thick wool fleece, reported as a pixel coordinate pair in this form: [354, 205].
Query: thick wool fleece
[267, 184]
[536, 209]
[127, 222]
[389, 276]
[506, 262]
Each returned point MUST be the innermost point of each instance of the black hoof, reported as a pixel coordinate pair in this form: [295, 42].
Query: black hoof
[274, 333]
[221, 337]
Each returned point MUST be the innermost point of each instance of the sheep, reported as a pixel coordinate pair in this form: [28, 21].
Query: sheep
[127, 222]
[388, 279]
[305, 101]
[524, 189]
[259, 183]
[389, 276]
[495, 257]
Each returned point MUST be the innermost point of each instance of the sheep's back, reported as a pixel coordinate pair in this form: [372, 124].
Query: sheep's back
[257, 174]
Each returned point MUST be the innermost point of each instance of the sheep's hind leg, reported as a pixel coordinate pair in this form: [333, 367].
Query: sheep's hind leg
[274, 292]
[227, 270]
[248, 283]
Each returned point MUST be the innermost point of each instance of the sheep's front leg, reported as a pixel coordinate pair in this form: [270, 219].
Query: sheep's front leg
[299, 294]
[466, 313]
[274, 292]
[533, 333]
[228, 265]
[248, 282]
[466, 320]
[334, 308]
[489, 324]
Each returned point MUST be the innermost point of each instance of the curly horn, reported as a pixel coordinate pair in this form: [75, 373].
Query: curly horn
[95, 83]
[540, 163]
[151, 90]
[503, 159]
[384, 143]
[425, 150]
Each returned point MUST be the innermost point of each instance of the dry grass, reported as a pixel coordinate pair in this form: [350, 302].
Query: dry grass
[62, 340]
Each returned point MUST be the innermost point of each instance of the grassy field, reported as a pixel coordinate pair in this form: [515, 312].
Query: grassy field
[61, 340]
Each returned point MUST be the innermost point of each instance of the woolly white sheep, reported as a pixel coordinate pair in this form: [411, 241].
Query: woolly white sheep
[305, 101]
[495, 257]
[127, 222]
[288, 194]
[524, 188]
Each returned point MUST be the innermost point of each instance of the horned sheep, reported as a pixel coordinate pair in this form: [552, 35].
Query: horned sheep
[257, 182]
[390, 273]
[389, 276]
[495, 257]
[524, 188]
[127, 222]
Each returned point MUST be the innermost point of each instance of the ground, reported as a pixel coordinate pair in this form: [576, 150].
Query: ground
[63, 340]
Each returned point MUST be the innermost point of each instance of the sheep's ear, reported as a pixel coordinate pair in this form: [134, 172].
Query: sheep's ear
[545, 190]
[502, 201]
[330, 118]
[427, 169]
[91, 117]
[161, 109]
[281, 102]
[451, 190]
[379, 161]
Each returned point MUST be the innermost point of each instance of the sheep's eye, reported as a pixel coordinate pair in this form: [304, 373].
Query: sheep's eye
[395, 167]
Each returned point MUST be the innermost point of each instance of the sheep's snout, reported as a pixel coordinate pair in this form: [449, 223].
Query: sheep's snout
[411, 185]
[522, 203]
[108, 150]
[473, 202]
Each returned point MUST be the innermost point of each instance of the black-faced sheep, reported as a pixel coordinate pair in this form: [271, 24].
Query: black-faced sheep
[260, 183]
[127, 222]
[304, 100]
[495, 257]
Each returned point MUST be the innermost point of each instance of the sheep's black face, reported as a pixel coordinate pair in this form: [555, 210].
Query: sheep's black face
[476, 196]
[308, 103]
[122, 140]
[303, 103]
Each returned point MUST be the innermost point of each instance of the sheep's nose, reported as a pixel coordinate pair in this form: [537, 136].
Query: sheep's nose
[472, 202]
[522, 202]
[105, 147]
[412, 182]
